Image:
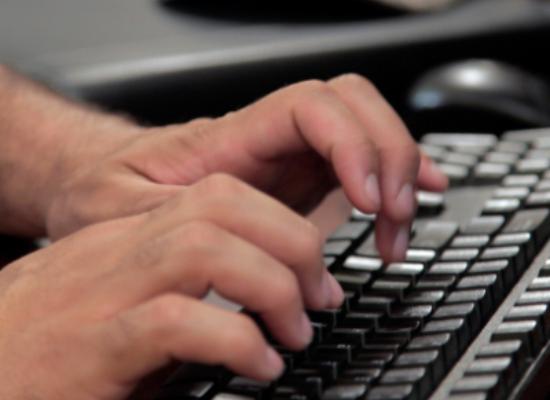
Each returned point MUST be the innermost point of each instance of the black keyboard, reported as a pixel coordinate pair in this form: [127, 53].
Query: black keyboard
[466, 316]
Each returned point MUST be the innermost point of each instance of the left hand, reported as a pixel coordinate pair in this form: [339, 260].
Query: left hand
[295, 144]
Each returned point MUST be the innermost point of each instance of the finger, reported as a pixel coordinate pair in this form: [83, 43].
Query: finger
[391, 239]
[147, 337]
[261, 220]
[309, 115]
[398, 153]
[431, 176]
[197, 257]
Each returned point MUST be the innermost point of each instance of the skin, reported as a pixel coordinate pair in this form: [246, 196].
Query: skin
[149, 219]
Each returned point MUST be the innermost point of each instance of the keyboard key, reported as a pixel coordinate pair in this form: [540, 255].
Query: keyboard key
[455, 172]
[528, 331]
[366, 264]
[501, 157]
[345, 391]
[390, 392]
[479, 383]
[424, 297]
[417, 376]
[459, 254]
[501, 206]
[434, 235]
[351, 230]
[420, 255]
[538, 199]
[484, 225]
[404, 269]
[519, 193]
[429, 203]
[503, 268]
[490, 172]
[435, 282]
[353, 281]
[445, 268]
[460, 139]
[470, 241]
[532, 166]
[534, 221]
[374, 303]
[534, 297]
[521, 180]
[506, 146]
[454, 326]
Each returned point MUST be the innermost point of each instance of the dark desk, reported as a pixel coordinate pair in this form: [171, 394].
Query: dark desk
[121, 52]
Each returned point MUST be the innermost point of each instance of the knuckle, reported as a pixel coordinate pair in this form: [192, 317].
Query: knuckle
[358, 81]
[167, 311]
[284, 289]
[221, 184]
[314, 88]
[242, 337]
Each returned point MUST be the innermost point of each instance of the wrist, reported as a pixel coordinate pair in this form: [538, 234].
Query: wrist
[45, 139]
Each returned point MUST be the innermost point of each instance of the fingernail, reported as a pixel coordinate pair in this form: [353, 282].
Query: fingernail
[401, 243]
[405, 199]
[436, 171]
[306, 331]
[337, 294]
[373, 191]
[273, 364]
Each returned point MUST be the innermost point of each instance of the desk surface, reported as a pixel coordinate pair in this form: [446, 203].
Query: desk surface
[89, 45]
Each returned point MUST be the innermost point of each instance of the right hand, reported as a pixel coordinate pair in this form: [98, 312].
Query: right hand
[92, 314]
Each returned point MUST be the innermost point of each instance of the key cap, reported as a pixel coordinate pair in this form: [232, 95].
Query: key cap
[370, 359]
[429, 203]
[533, 221]
[436, 153]
[525, 135]
[486, 172]
[374, 303]
[334, 352]
[431, 297]
[466, 254]
[445, 342]
[416, 312]
[527, 331]
[417, 376]
[448, 268]
[363, 320]
[534, 297]
[515, 349]
[506, 146]
[435, 282]
[365, 264]
[405, 270]
[480, 383]
[503, 268]
[454, 326]
[543, 185]
[361, 216]
[468, 160]
[468, 311]
[328, 317]
[468, 396]
[521, 180]
[248, 387]
[532, 166]
[336, 247]
[432, 360]
[540, 283]
[419, 255]
[512, 253]
[538, 312]
[354, 336]
[434, 235]
[398, 329]
[484, 225]
[360, 375]
[501, 206]
[460, 139]
[344, 391]
[480, 296]
[483, 281]
[501, 157]
[476, 241]
[353, 281]
[538, 199]
[390, 392]
[455, 173]
[393, 288]
[231, 396]
[519, 193]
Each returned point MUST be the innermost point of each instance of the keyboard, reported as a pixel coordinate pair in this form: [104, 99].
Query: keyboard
[465, 317]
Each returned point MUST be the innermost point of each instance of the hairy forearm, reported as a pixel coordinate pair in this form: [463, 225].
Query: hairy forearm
[43, 137]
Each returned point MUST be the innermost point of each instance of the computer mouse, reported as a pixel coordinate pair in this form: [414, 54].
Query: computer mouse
[489, 91]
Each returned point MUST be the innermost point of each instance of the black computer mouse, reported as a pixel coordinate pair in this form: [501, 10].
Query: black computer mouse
[492, 92]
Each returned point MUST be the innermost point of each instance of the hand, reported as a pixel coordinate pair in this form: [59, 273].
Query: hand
[90, 315]
[294, 144]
